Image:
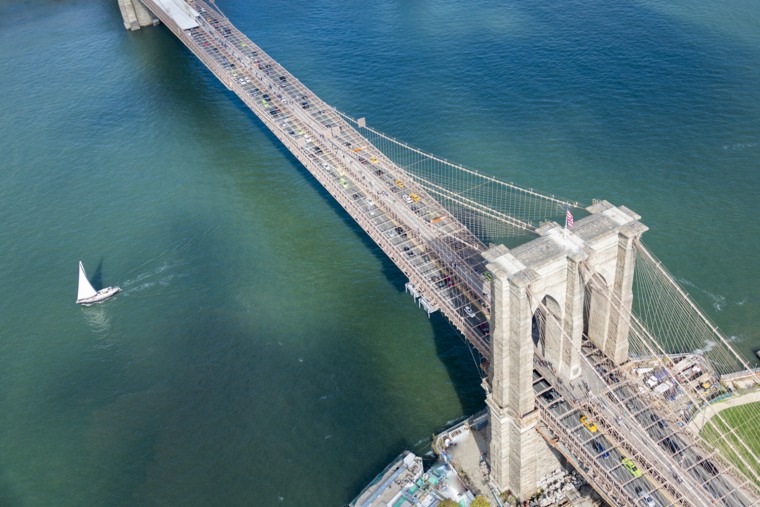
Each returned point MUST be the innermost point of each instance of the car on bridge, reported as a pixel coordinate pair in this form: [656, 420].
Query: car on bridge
[646, 498]
[550, 395]
[600, 449]
[588, 424]
[415, 197]
[469, 312]
[709, 467]
[631, 467]
[400, 184]
[660, 422]
[484, 328]
[671, 445]
[407, 199]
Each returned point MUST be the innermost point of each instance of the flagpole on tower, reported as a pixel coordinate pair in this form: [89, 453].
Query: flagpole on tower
[568, 219]
[568, 223]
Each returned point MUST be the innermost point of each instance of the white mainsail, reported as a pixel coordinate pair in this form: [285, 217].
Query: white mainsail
[85, 289]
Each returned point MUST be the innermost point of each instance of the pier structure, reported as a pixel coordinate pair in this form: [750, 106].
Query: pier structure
[556, 318]
[135, 14]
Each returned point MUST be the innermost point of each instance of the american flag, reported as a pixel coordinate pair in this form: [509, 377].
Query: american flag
[568, 219]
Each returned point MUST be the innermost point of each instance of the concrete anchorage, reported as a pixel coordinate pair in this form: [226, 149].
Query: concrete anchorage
[555, 273]
[135, 14]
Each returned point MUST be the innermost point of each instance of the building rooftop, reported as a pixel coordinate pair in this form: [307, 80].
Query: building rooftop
[404, 483]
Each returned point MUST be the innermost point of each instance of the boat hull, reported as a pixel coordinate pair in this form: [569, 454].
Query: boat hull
[100, 296]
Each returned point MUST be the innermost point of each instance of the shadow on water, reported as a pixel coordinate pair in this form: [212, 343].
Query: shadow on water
[96, 279]
[453, 352]
[462, 364]
[457, 356]
[165, 58]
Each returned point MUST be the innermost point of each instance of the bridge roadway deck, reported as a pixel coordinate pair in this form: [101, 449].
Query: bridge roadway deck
[438, 254]
[629, 423]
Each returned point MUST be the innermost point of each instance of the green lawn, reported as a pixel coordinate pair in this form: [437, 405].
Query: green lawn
[746, 418]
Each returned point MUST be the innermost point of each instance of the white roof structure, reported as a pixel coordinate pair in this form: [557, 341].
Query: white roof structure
[180, 12]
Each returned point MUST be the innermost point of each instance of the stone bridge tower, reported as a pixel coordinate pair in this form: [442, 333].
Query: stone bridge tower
[547, 273]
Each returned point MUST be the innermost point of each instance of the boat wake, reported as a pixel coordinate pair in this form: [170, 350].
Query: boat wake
[718, 302]
[709, 345]
[421, 443]
[161, 275]
[738, 146]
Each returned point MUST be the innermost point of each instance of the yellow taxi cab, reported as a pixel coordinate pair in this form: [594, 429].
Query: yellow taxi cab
[588, 424]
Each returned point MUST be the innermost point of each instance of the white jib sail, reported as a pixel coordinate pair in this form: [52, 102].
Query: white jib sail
[85, 289]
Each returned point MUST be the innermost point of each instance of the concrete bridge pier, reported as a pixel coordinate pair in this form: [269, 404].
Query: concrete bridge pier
[135, 14]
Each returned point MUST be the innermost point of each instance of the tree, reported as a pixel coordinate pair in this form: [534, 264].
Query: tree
[480, 501]
[448, 502]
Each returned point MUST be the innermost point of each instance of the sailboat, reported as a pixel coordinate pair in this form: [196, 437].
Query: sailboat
[86, 295]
